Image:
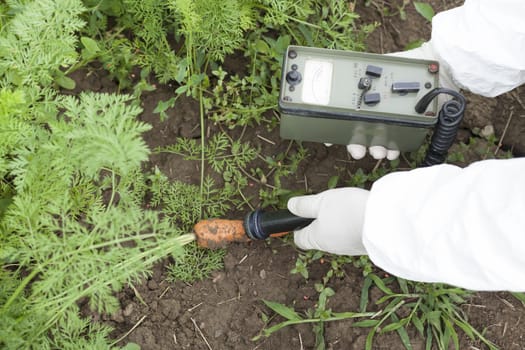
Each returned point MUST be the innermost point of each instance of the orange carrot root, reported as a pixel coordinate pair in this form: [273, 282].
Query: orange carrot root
[216, 233]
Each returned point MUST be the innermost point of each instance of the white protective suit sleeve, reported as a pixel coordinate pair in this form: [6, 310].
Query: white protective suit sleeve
[481, 45]
[465, 227]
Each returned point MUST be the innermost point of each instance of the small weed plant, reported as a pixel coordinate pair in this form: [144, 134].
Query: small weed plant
[321, 313]
[316, 316]
[434, 310]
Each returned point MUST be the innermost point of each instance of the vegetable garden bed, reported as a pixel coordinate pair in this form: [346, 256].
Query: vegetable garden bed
[128, 121]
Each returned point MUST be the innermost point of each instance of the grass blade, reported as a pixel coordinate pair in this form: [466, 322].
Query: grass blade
[424, 10]
[363, 302]
[401, 331]
[283, 310]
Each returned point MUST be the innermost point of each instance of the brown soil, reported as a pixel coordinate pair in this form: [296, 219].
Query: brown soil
[225, 311]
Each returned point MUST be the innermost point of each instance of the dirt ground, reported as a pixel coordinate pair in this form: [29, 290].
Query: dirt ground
[225, 311]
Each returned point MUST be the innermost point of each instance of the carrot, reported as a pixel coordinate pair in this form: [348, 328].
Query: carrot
[217, 233]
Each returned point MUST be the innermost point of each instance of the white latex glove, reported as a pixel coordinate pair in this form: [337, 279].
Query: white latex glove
[358, 151]
[339, 220]
[377, 152]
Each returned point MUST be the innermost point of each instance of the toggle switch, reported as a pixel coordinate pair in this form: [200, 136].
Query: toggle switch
[372, 98]
[405, 87]
[373, 71]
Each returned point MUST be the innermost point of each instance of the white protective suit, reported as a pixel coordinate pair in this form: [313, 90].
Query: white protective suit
[464, 227]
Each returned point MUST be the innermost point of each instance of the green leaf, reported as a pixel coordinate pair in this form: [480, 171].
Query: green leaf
[307, 33]
[283, 310]
[416, 321]
[429, 341]
[385, 298]
[182, 71]
[364, 293]
[451, 332]
[414, 44]
[405, 339]
[131, 346]
[181, 89]
[434, 317]
[332, 182]
[65, 82]
[282, 44]
[163, 106]
[401, 331]
[262, 46]
[348, 314]
[392, 327]
[369, 339]
[267, 332]
[466, 327]
[366, 323]
[424, 10]
[380, 284]
[317, 255]
[318, 329]
[519, 296]
[403, 285]
[90, 45]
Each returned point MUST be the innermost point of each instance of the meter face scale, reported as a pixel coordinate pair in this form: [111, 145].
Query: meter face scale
[345, 97]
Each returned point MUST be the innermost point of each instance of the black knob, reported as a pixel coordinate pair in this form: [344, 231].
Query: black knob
[293, 77]
[365, 83]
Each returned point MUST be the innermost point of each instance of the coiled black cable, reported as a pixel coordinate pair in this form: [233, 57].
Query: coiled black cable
[449, 118]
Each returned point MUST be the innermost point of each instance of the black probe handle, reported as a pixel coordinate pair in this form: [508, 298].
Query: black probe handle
[260, 224]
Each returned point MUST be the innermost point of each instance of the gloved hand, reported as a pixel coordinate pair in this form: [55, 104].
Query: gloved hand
[377, 152]
[339, 220]
[425, 51]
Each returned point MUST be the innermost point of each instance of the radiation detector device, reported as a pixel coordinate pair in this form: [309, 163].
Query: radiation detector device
[345, 97]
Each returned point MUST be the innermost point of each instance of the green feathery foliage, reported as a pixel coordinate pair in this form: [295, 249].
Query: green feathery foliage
[73, 217]
[183, 205]
[225, 156]
[149, 21]
[215, 27]
[196, 264]
[37, 42]
[72, 227]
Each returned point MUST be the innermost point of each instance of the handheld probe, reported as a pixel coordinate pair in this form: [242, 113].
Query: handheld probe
[257, 225]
